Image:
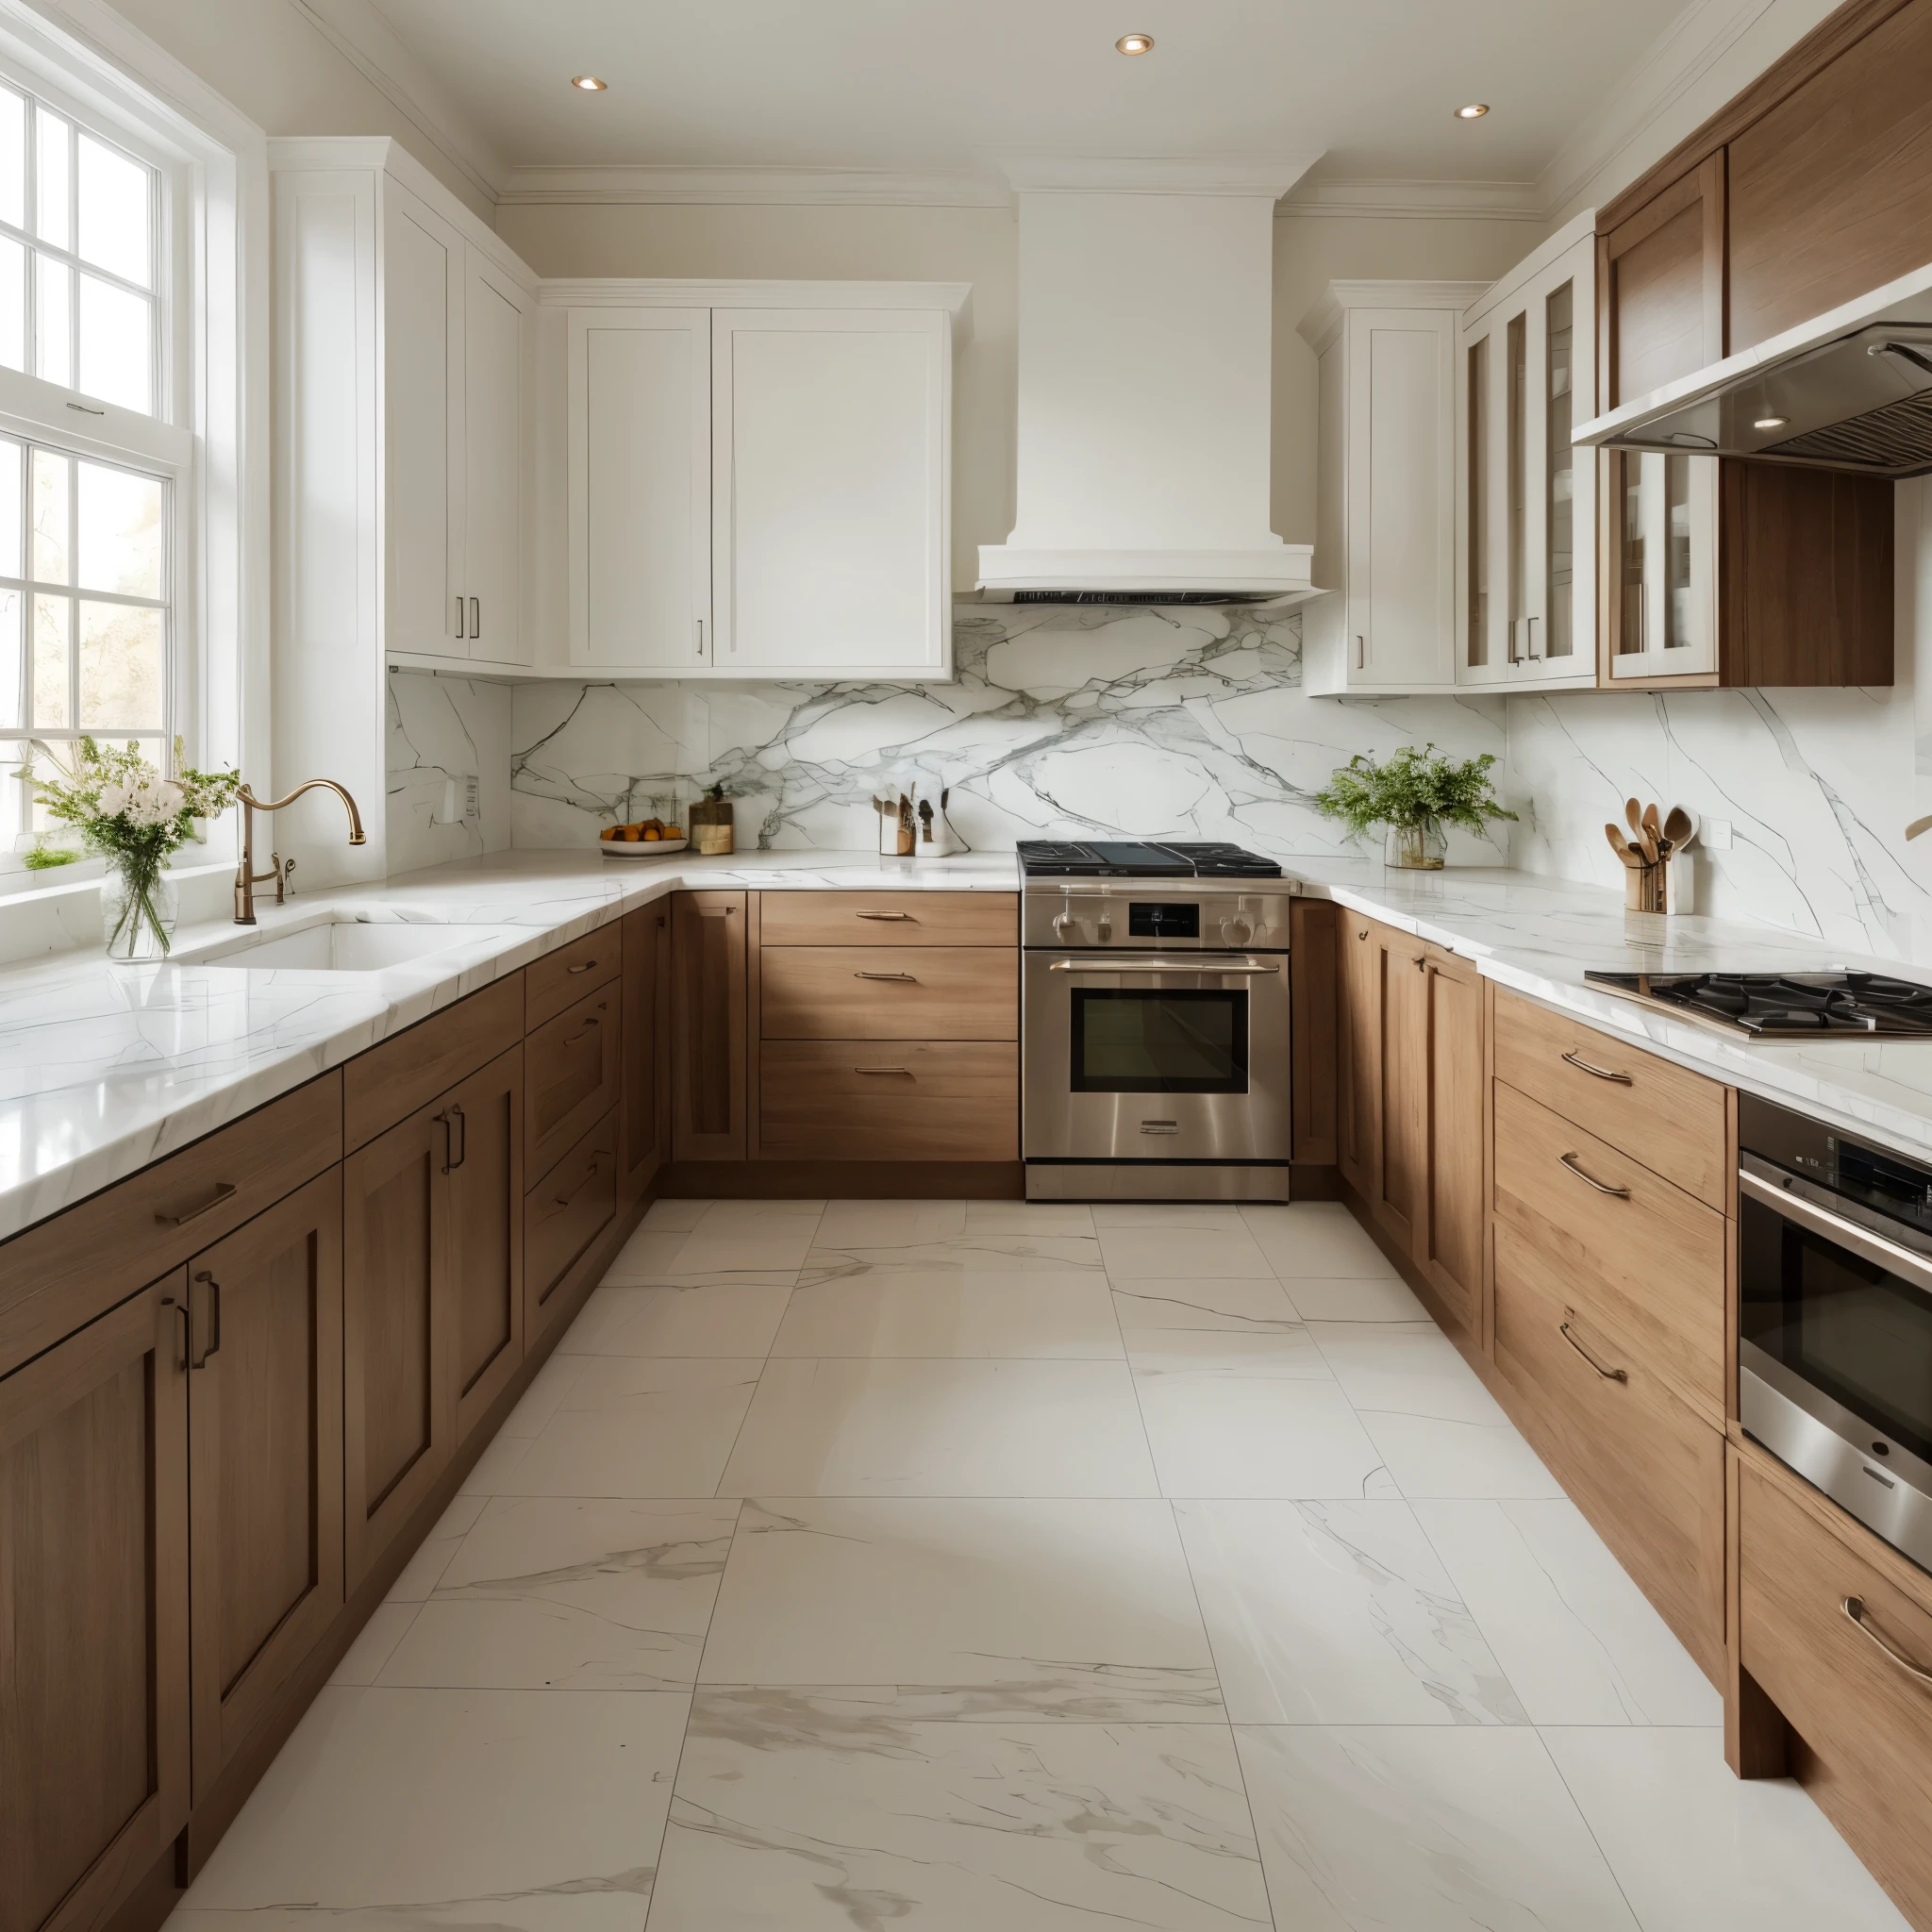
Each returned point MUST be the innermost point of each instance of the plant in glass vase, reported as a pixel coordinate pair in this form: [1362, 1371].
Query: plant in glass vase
[135, 817]
[1415, 795]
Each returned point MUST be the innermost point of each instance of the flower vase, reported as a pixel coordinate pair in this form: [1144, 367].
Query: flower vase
[140, 905]
[1415, 848]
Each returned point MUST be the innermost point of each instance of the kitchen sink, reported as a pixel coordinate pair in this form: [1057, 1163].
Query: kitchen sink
[339, 945]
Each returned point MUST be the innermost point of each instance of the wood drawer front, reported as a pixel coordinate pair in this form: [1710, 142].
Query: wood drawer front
[561, 978]
[1646, 1470]
[1863, 1715]
[572, 1067]
[1671, 1120]
[391, 1081]
[913, 1100]
[565, 1211]
[890, 919]
[61, 1274]
[1647, 1264]
[888, 992]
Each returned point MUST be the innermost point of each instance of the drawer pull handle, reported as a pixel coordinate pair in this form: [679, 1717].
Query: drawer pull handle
[589, 1175]
[589, 966]
[584, 1032]
[1602, 1072]
[214, 1322]
[1609, 1375]
[909, 978]
[884, 915]
[1569, 1160]
[1854, 1607]
[224, 1191]
[906, 1071]
[455, 1148]
[168, 1301]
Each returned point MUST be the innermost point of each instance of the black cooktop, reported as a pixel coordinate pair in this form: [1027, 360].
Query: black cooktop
[1787, 1006]
[1170, 859]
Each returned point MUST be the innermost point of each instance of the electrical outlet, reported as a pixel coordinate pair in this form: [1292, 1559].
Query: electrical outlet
[1716, 834]
[462, 798]
[473, 795]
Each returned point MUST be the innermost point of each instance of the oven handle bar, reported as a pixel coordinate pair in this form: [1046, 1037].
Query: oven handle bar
[1834, 1228]
[1199, 962]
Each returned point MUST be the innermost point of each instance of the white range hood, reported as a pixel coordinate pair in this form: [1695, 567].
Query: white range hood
[1146, 343]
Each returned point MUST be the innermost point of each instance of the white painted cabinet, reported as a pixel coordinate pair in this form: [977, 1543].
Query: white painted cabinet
[758, 478]
[1386, 507]
[497, 348]
[1526, 508]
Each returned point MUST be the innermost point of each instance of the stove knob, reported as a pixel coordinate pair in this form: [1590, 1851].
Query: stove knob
[1064, 925]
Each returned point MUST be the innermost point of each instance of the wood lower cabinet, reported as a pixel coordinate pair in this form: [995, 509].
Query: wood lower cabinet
[265, 1462]
[1314, 929]
[645, 1109]
[1401, 1025]
[574, 1063]
[1358, 1008]
[486, 1232]
[565, 1212]
[888, 992]
[707, 1026]
[1450, 1227]
[94, 1613]
[889, 1100]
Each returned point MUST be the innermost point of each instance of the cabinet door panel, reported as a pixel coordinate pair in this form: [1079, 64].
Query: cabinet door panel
[567, 1210]
[641, 487]
[486, 1232]
[397, 1392]
[573, 1064]
[94, 1613]
[1450, 1250]
[829, 520]
[423, 286]
[1662, 290]
[493, 363]
[645, 1116]
[1360, 1008]
[1401, 1053]
[265, 1411]
[707, 1026]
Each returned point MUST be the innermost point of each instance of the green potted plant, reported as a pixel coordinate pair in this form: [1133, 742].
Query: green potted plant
[1415, 795]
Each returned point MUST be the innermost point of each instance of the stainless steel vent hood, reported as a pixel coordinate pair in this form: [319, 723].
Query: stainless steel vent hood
[1146, 347]
[1851, 390]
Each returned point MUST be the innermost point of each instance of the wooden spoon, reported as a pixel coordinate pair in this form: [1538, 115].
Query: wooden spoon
[1633, 815]
[1678, 826]
[1621, 847]
[1650, 823]
[1648, 840]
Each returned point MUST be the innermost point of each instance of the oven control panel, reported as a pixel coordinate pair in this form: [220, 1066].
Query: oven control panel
[1155, 915]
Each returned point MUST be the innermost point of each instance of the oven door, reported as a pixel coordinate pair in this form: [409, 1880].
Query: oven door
[1156, 1058]
[1835, 1349]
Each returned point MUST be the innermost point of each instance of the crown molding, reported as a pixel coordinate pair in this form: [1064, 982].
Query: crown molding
[666, 291]
[677, 186]
[1207, 175]
[1323, 323]
[1356, 197]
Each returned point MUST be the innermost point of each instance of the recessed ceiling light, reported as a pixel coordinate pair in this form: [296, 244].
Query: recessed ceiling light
[1134, 44]
[588, 82]
[1771, 422]
[1474, 111]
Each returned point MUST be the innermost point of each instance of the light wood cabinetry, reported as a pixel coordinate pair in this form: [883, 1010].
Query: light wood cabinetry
[264, 1348]
[575, 1062]
[566, 1212]
[1314, 938]
[1359, 1009]
[379, 1087]
[888, 992]
[645, 1123]
[485, 1117]
[707, 1026]
[1400, 1024]
[1450, 1224]
[1385, 530]
[888, 919]
[560, 979]
[889, 1100]
[94, 1608]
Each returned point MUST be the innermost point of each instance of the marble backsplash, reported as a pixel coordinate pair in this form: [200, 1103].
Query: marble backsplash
[443, 732]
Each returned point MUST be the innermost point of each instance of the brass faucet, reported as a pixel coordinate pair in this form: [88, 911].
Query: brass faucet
[246, 877]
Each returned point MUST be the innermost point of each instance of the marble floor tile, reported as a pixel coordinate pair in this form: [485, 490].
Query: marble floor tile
[1398, 1829]
[733, 1318]
[965, 1608]
[1171, 1252]
[376, 1641]
[1225, 1216]
[572, 1593]
[890, 1224]
[682, 1214]
[1697, 1850]
[458, 1807]
[1405, 1368]
[1319, 1238]
[790, 1816]
[1271, 1354]
[1226, 1427]
[727, 1250]
[971, 1251]
[1045, 1218]
[1337, 1613]
[1429, 1456]
[1235, 1305]
[424, 1569]
[882, 1311]
[941, 1428]
[543, 1397]
[649, 1254]
[631, 1428]
[1354, 1299]
[1580, 1641]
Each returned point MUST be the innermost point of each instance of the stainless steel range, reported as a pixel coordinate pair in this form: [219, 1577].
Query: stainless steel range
[1784, 1006]
[1155, 1021]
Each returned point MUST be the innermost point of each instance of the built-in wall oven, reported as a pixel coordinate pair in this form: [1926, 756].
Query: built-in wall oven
[1835, 1316]
[1154, 1023]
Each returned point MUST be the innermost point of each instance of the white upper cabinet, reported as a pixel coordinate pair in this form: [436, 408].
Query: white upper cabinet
[758, 477]
[1385, 525]
[498, 345]
[1526, 508]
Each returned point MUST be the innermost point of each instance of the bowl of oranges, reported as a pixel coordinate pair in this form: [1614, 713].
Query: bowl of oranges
[647, 839]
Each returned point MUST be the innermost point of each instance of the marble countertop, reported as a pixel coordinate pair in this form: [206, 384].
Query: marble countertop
[108, 1068]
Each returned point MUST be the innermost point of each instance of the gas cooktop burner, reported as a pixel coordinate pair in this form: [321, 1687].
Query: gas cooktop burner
[1786, 1006]
[1171, 858]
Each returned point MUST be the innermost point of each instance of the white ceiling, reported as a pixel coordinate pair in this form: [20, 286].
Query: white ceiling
[917, 85]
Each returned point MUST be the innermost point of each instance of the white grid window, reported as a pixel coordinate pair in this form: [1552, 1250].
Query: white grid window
[77, 258]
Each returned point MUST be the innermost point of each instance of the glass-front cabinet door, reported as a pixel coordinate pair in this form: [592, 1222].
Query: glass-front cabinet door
[1661, 540]
[1526, 508]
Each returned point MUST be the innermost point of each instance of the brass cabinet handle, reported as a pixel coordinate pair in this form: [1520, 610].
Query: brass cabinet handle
[589, 966]
[1609, 1375]
[214, 1319]
[1363, 934]
[224, 1191]
[1569, 1160]
[1854, 1607]
[906, 1071]
[882, 915]
[1601, 1072]
[908, 977]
